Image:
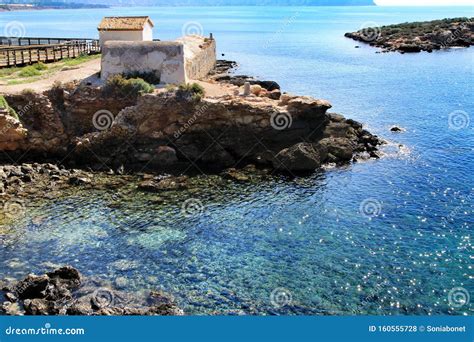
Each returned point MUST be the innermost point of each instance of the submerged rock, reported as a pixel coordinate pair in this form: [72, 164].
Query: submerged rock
[167, 184]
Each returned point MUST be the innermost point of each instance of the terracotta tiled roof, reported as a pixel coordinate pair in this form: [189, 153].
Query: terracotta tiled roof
[124, 23]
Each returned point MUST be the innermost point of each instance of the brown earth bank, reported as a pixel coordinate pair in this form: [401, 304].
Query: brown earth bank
[65, 291]
[171, 130]
[419, 36]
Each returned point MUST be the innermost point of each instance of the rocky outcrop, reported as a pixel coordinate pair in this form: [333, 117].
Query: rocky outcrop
[299, 157]
[163, 130]
[81, 108]
[419, 36]
[65, 292]
[239, 80]
[39, 124]
[12, 133]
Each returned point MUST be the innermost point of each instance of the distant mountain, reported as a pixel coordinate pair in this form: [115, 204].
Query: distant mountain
[204, 2]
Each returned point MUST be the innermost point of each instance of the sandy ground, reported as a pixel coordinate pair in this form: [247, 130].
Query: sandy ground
[85, 71]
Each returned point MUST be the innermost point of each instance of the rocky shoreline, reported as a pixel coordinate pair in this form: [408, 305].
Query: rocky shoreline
[419, 36]
[65, 291]
[83, 126]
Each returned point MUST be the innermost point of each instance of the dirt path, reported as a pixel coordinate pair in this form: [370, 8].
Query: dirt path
[85, 71]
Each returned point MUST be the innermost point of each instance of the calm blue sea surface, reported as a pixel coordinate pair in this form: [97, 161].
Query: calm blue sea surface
[392, 236]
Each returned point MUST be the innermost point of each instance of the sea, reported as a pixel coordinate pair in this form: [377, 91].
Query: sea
[391, 236]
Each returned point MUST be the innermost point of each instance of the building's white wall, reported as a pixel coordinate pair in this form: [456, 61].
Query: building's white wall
[189, 58]
[119, 35]
[147, 32]
[164, 59]
[200, 56]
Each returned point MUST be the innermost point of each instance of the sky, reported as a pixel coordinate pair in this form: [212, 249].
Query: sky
[424, 2]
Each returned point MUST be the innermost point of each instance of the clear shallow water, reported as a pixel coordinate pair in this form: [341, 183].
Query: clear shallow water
[305, 235]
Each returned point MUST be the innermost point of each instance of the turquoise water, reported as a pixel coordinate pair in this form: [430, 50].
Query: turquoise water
[313, 240]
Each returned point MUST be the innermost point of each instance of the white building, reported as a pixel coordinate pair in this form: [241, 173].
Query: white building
[125, 29]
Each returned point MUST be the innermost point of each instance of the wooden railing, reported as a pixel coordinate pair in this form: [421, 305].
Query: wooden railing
[22, 41]
[22, 51]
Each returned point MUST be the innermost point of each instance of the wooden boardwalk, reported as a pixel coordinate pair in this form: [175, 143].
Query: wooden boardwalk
[22, 51]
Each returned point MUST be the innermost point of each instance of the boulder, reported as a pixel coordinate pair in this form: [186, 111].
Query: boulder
[299, 157]
[342, 149]
[165, 156]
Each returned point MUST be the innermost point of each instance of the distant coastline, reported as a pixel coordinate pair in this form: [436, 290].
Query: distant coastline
[45, 6]
[23, 5]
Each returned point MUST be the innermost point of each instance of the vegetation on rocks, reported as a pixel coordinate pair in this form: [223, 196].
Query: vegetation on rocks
[419, 36]
[193, 91]
[121, 86]
[4, 105]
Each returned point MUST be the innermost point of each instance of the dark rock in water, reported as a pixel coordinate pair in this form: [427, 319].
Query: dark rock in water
[396, 129]
[223, 66]
[409, 48]
[61, 292]
[299, 157]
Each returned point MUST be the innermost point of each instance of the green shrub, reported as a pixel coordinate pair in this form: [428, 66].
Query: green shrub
[28, 92]
[29, 71]
[4, 104]
[149, 77]
[40, 66]
[191, 90]
[121, 86]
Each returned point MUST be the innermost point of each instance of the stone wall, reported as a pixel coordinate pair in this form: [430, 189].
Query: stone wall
[164, 59]
[200, 56]
[188, 58]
